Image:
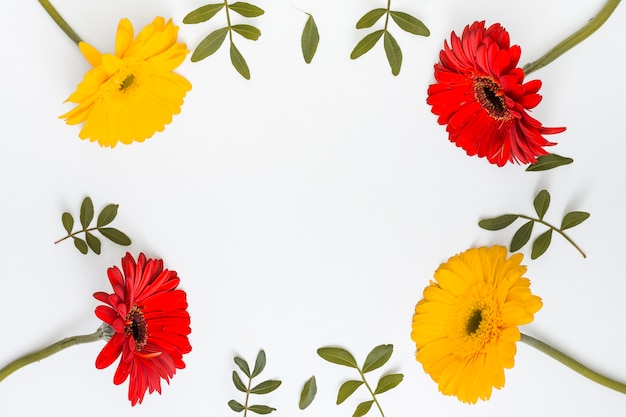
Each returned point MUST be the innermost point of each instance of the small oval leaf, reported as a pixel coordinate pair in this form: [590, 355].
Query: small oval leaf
[370, 18]
[388, 382]
[541, 203]
[363, 408]
[410, 24]
[259, 363]
[337, 355]
[202, 14]
[209, 45]
[239, 62]
[574, 218]
[261, 409]
[238, 382]
[235, 406]
[310, 39]
[81, 245]
[549, 161]
[309, 390]
[86, 212]
[93, 242]
[366, 44]
[243, 365]
[107, 215]
[115, 236]
[347, 389]
[540, 245]
[265, 387]
[377, 357]
[522, 236]
[246, 9]
[68, 222]
[497, 223]
[247, 31]
[393, 52]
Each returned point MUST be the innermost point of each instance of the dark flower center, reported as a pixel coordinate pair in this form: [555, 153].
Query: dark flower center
[128, 81]
[489, 94]
[473, 323]
[136, 327]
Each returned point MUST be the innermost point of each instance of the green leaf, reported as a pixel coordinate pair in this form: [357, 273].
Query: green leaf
[81, 245]
[497, 223]
[363, 408]
[246, 9]
[541, 244]
[337, 355]
[86, 212]
[68, 222]
[370, 18]
[107, 215]
[239, 62]
[115, 236]
[310, 39]
[521, 237]
[209, 45]
[549, 161]
[202, 14]
[247, 31]
[541, 203]
[238, 382]
[243, 365]
[308, 393]
[347, 389]
[93, 242]
[388, 382]
[574, 218]
[265, 387]
[235, 406]
[410, 24]
[259, 363]
[394, 54]
[366, 44]
[261, 409]
[377, 357]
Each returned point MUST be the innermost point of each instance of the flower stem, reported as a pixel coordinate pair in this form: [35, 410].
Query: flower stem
[573, 364]
[574, 39]
[50, 350]
[91, 229]
[58, 19]
[371, 392]
[559, 231]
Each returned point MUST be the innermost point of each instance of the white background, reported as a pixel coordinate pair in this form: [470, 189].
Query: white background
[307, 207]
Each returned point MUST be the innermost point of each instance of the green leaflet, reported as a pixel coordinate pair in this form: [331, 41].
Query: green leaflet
[310, 39]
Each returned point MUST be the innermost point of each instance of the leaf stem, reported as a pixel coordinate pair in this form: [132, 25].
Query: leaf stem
[559, 231]
[50, 350]
[75, 233]
[58, 19]
[574, 364]
[245, 406]
[371, 392]
[387, 15]
[230, 35]
[574, 39]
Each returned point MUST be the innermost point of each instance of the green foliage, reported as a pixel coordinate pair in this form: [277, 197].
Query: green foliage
[310, 39]
[309, 390]
[523, 234]
[549, 161]
[264, 387]
[86, 216]
[378, 356]
[393, 52]
[215, 39]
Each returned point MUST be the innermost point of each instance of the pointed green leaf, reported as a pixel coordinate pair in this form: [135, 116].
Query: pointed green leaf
[246, 9]
[540, 245]
[239, 62]
[393, 52]
[574, 218]
[497, 223]
[209, 45]
[235, 406]
[521, 237]
[259, 363]
[68, 222]
[410, 24]
[202, 14]
[549, 161]
[370, 18]
[377, 357]
[366, 44]
[81, 245]
[261, 409]
[243, 365]
[308, 393]
[363, 408]
[337, 355]
[247, 31]
[115, 236]
[93, 242]
[238, 382]
[310, 39]
[86, 212]
[347, 389]
[265, 387]
[107, 215]
[388, 382]
[541, 203]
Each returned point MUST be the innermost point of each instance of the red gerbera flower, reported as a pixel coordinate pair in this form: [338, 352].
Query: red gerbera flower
[150, 322]
[480, 94]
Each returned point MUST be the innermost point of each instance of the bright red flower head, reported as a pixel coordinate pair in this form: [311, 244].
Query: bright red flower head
[151, 324]
[481, 96]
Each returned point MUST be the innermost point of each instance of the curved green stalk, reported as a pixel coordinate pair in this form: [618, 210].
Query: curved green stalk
[559, 231]
[371, 392]
[58, 19]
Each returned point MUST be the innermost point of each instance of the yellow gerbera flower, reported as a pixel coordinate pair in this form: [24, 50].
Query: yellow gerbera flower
[465, 327]
[130, 95]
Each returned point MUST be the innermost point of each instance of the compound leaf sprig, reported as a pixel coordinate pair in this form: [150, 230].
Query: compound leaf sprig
[264, 387]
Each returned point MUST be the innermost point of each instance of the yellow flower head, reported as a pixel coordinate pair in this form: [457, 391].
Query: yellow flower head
[130, 95]
[465, 327]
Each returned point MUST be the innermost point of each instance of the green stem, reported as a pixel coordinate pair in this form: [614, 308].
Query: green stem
[245, 406]
[58, 19]
[559, 231]
[573, 40]
[573, 364]
[50, 350]
[387, 16]
[230, 31]
[371, 392]
[91, 229]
